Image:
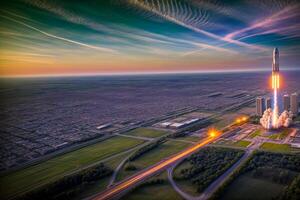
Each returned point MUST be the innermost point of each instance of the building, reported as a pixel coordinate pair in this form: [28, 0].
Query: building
[286, 102]
[260, 106]
[165, 124]
[294, 103]
[268, 103]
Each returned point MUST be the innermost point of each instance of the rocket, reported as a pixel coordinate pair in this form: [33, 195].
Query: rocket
[275, 64]
[275, 69]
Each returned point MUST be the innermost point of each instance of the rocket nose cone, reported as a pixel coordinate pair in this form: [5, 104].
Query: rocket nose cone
[275, 50]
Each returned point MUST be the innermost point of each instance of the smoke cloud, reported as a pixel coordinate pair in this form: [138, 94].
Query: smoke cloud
[284, 120]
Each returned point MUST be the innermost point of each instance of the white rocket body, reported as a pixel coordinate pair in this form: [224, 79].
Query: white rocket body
[275, 63]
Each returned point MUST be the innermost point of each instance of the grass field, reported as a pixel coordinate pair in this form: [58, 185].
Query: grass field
[29, 178]
[190, 138]
[242, 143]
[277, 147]
[163, 191]
[153, 156]
[247, 188]
[284, 133]
[224, 142]
[230, 143]
[147, 132]
[255, 133]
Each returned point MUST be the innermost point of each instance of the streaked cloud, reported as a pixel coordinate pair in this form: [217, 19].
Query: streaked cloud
[62, 38]
[286, 13]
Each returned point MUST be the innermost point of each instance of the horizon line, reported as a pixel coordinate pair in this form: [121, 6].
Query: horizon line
[143, 73]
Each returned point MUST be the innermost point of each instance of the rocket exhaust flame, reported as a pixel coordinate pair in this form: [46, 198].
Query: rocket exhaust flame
[275, 81]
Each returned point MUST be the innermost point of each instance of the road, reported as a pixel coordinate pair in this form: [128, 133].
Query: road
[175, 186]
[118, 168]
[124, 186]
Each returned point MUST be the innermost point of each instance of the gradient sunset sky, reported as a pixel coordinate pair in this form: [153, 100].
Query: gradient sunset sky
[39, 37]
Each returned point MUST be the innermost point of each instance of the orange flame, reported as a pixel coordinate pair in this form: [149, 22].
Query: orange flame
[275, 82]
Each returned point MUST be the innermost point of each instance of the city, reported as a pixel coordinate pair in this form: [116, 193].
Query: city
[154, 100]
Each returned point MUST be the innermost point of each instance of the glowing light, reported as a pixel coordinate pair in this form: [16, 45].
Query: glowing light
[244, 119]
[275, 81]
[213, 132]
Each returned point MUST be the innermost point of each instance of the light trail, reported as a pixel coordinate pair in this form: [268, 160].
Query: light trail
[117, 189]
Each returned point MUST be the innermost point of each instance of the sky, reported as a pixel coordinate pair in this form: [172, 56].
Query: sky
[70, 37]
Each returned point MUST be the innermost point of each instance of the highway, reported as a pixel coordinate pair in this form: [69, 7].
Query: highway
[116, 190]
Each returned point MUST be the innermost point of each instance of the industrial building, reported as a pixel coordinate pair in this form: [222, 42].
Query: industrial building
[177, 125]
[260, 106]
[286, 102]
[294, 104]
[268, 103]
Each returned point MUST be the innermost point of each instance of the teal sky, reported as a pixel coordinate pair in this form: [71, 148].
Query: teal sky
[123, 36]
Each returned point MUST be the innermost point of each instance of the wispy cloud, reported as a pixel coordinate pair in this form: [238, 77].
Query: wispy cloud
[267, 22]
[287, 32]
[107, 50]
[148, 6]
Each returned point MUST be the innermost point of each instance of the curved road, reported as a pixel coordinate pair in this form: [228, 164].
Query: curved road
[127, 184]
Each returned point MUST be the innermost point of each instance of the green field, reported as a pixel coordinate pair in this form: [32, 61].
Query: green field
[248, 188]
[230, 143]
[29, 178]
[223, 142]
[242, 143]
[163, 191]
[147, 132]
[192, 138]
[284, 133]
[255, 133]
[153, 156]
[277, 147]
